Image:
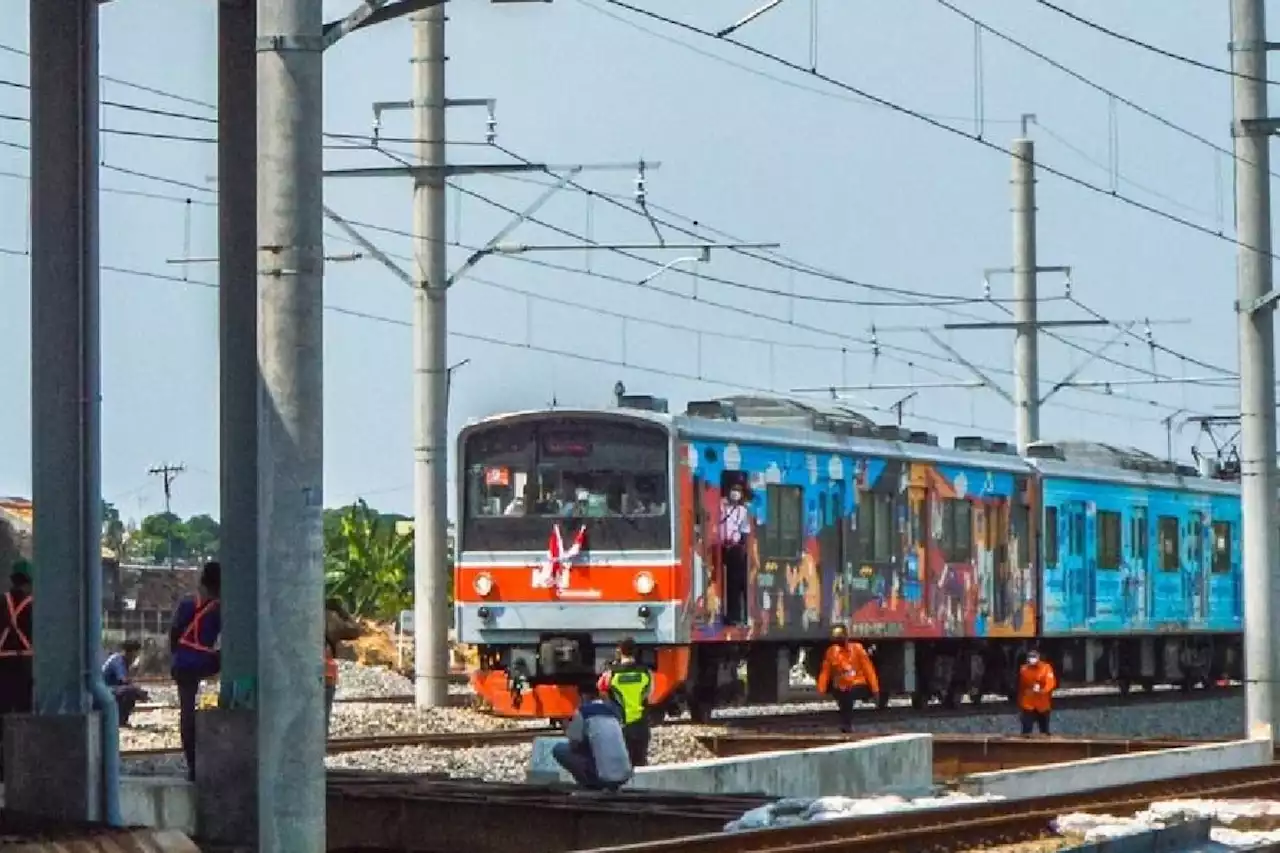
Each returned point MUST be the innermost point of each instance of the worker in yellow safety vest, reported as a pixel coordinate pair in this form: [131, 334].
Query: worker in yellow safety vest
[628, 683]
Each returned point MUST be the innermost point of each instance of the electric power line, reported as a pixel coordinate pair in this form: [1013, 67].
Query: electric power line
[1168, 54]
[1071, 72]
[912, 113]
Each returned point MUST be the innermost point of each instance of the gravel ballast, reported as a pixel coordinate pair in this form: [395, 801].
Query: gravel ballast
[1202, 719]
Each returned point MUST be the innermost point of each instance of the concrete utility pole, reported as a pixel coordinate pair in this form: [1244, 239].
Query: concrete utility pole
[227, 742]
[55, 764]
[291, 735]
[169, 473]
[1026, 392]
[1026, 397]
[430, 366]
[1256, 300]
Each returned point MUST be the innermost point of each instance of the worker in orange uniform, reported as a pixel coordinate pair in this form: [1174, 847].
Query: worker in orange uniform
[16, 678]
[847, 674]
[1036, 683]
[193, 644]
[338, 626]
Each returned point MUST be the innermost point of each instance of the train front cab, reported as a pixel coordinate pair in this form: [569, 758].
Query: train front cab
[566, 547]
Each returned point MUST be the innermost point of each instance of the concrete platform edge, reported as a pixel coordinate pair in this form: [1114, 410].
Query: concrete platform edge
[1074, 776]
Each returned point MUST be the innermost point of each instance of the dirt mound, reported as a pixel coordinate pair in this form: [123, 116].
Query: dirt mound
[375, 647]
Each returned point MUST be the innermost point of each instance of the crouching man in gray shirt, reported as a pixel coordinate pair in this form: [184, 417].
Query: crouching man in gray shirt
[595, 754]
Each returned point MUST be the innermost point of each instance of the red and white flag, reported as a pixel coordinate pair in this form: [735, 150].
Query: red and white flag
[553, 571]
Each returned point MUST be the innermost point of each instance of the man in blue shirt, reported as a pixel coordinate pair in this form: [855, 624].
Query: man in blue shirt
[115, 672]
[594, 751]
[193, 643]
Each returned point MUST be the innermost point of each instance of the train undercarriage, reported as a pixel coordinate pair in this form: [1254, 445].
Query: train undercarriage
[543, 680]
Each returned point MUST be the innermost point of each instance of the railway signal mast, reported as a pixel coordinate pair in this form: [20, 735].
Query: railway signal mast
[1256, 300]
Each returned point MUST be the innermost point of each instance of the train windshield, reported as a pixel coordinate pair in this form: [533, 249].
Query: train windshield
[610, 476]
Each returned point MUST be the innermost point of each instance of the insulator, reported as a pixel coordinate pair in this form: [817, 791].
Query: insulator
[491, 130]
[641, 194]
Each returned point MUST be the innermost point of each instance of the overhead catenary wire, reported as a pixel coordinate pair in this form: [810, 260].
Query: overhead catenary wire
[735, 308]
[700, 377]
[919, 116]
[1139, 43]
[1076, 75]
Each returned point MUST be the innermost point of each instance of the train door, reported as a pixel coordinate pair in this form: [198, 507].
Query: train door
[835, 563]
[1091, 562]
[1198, 571]
[1073, 569]
[1223, 572]
[700, 531]
[1139, 557]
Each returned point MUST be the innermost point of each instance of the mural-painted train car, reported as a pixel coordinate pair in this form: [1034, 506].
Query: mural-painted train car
[740, 532]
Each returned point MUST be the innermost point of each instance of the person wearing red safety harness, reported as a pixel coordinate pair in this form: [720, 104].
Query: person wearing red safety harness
[338, 626]
[193, 645]
[16, 682]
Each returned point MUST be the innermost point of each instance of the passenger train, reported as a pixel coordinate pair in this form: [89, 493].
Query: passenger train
[580, 527]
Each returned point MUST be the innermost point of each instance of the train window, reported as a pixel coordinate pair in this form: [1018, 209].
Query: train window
[1167, 531]
[875, 528]
[783, 537]
[1221, 547]
[957, 530]
[1050, 536]
[1108, 540]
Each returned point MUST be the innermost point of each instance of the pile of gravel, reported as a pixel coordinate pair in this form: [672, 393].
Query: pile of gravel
[370, 682]
[508, 763]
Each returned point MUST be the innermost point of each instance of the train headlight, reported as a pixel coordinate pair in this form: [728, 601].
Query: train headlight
[644, 583]
[483, 585]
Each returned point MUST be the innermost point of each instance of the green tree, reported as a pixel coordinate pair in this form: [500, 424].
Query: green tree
[203, 539]
[113, 529]
[158, 534]
[366, 562]
[9, 549]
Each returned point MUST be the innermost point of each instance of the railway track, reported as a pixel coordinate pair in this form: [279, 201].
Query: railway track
[364, 743]
[967, 827]
[897, 715]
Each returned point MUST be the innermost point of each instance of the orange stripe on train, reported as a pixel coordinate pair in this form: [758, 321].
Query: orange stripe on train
[587, 583]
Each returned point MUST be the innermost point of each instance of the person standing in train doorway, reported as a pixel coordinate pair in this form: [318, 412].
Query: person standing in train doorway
[735, 527]
[1036, 683]
[848, 675]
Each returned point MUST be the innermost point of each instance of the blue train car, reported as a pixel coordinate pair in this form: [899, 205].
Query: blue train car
[1140, 577]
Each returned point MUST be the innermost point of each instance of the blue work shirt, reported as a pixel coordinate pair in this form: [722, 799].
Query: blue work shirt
[115, 671]
[185, 657]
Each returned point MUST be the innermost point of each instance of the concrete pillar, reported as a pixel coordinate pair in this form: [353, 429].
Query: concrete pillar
[53, 759]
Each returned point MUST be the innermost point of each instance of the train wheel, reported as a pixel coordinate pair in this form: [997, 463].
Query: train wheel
[1124, 686]
[700, 712]
[975, 697]
[919, 699]
[882, 700]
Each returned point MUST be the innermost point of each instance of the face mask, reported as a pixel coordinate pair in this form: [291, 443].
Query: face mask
[1033, 660]
[735, 496]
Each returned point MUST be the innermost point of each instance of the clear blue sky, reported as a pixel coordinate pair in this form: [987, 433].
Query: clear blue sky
[854, 189]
